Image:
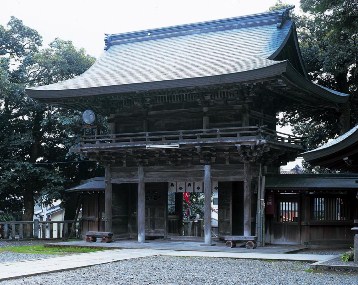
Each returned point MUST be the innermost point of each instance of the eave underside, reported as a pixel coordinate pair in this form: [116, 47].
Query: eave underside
[303, 182]
[339, 154]
[279, 80]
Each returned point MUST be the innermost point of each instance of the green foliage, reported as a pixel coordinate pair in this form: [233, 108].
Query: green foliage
[328, 36]
[35, 139]
[194, 206]
[347, 256]
[6, 217]
[279, 6]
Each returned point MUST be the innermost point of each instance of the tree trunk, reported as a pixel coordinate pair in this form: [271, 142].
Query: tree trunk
[28, 212]
[29, 199]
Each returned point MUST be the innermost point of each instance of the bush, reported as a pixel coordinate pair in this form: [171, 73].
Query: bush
[347, 256]
[6, 217]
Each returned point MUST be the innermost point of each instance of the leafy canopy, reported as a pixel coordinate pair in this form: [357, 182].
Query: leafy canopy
[35, 139]
[328, 40]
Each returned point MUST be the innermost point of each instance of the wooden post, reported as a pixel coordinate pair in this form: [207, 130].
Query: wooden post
[263, 221]
[247, 200]
[36, 228]
[65, 229]
[108, 200]
[260, 212]
[13, 230]
[141, 206]
[205, 118]
[207, 206]
[6, 230]
[258, 230]
[21, 231]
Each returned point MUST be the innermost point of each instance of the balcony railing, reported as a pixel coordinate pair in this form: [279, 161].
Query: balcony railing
[216, 135]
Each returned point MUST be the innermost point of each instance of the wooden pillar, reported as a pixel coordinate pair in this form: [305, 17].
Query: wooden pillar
[207, 206]
[260, 209]
[205, 118]
[247, 200]
[108, 199]
[112, 124]
[305, 216]
[141, 206]
[263, 220]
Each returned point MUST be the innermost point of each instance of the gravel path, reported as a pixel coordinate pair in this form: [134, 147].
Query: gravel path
[195, 270]
[182, 270]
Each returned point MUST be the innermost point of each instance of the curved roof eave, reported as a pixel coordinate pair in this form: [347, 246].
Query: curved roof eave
[339, 144]
[296, 79]
[270, 71]
[283, 68]
[292, 32]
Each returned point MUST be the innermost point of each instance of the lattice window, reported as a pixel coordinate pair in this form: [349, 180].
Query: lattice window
[330, 209]
[288, 211]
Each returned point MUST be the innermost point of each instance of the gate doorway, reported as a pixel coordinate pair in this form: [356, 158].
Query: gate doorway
[185, 214]
[231, 208]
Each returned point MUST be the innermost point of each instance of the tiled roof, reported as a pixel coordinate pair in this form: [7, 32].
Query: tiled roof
[190, 51]
[93, 184]
[231, 50]
[333, 146]
[336, 140]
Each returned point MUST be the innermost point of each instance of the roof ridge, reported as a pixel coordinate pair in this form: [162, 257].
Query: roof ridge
[277, 17]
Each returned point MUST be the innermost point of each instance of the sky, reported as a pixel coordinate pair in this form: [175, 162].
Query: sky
[85, 23]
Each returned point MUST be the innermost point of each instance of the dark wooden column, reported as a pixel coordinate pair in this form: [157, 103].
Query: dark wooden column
[305, 216]
[108, 199]
[141, 206]
[207, 206]
[260, 211]
[206, 119]
[247, 200]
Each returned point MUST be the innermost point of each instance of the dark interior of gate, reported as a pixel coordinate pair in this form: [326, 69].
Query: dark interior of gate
[166, 212]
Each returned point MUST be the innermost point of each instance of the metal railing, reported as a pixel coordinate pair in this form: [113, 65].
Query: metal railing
[38, 229]
[187, 136]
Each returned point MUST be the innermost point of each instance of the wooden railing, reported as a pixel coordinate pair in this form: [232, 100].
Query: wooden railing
[191, 136]
[38, 229]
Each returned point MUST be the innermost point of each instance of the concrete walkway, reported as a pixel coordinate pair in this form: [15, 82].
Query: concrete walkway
[34, 267]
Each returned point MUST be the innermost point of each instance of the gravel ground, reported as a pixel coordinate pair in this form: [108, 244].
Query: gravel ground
[183, 270]
[194, 270]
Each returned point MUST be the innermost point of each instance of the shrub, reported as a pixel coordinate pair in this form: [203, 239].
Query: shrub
[347, 256]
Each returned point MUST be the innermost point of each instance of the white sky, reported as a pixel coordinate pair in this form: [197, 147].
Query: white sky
[85, 23]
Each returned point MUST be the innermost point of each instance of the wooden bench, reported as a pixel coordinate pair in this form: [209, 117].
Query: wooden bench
[249, 241]
[92, 236]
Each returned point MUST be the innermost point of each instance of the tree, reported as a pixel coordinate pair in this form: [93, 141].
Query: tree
[328, 36]
[35, 139]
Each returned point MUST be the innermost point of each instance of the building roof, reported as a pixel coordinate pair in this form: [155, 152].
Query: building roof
[312, 181]
[231, 50]
[339, 153]
[93, 184]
